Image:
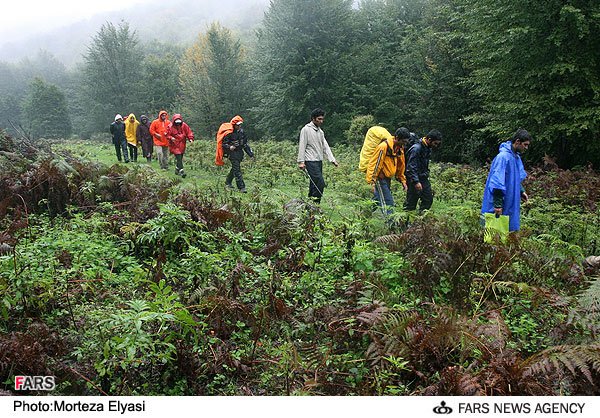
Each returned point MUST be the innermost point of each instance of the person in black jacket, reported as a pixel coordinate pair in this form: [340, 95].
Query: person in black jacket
[417, 172]
[144, 137]
[234, 146]
[117, 130]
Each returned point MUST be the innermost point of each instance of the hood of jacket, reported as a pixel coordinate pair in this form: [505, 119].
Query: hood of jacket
[177, 116]
[165, 112]
[236, 119]
[506, 147]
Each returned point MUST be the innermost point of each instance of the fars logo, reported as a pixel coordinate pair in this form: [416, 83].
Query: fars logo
[34, 383]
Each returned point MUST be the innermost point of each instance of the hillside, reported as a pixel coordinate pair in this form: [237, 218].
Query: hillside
[123, 279]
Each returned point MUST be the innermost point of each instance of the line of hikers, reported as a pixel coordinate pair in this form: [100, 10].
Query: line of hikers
[383, 156]
[164, 136]
[406, 157]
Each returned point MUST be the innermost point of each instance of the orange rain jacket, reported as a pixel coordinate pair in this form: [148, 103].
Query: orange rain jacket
[158, 130]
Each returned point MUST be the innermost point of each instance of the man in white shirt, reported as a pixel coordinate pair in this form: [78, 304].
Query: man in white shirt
[311, 149]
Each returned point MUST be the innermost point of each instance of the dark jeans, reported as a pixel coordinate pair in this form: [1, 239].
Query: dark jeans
[179, 161]
[132, 152]
[317, 182]
[413, 196]
[121, 147]
[383, 195]
[236, 171]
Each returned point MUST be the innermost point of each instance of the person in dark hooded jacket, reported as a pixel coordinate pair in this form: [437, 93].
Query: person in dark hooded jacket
[178, 134]
[117, 130]
[234, 146]
[144, 137]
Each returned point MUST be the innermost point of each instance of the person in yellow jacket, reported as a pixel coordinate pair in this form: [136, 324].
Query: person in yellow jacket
[131, 125]
[387, 162]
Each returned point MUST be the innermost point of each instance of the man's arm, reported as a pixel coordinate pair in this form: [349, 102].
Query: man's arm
[302, 148]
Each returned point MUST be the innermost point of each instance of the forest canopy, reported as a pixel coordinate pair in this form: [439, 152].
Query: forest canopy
[474, 70]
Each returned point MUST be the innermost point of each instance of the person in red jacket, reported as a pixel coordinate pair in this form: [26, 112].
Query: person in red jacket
[178, 134]
[158, 130]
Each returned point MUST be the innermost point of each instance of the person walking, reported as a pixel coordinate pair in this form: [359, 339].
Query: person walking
[504, 191]
[311, 148]
[158, 130]
[385, 163]
[417, 172]
[178, 134]
[234, 145]
[144, 137]
[117, 130]
[131, 125]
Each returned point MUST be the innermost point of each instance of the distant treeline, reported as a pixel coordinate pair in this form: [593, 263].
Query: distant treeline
[474, 69]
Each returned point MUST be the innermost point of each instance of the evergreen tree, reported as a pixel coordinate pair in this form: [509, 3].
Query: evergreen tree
[214, 80]
[45, 111]
[301, 60]
[112, 73]
[536, 65]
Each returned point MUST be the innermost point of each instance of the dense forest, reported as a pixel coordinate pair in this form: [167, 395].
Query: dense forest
[474, 70]
[124, 279]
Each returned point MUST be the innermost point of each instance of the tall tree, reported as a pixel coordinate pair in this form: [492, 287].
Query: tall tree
[214, 80]
[301, 63]
[112, 70]
[45, 111]
[536, 65]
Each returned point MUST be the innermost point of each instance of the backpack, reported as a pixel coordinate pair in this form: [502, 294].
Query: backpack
[224, 130]
[373, 138]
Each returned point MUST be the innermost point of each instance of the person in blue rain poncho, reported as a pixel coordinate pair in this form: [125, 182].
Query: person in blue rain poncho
[503, 190]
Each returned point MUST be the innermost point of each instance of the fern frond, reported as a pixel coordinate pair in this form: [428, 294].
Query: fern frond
[574, 358]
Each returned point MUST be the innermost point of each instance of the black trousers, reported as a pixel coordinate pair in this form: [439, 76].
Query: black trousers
[413, 196]
[132, 152]
[236, 171]
[179, 161]
[317, 182]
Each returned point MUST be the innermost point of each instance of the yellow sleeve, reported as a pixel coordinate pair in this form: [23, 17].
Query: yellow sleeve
[400, 167]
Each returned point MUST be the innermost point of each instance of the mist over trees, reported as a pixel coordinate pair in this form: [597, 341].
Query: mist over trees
[475, 70]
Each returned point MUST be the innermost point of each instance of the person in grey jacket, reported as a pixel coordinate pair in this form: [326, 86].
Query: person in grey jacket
[311, 149]
[417, 171]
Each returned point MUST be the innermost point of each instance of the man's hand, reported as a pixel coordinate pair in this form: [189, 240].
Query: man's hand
[301, 166]
[418, 187]
[497, 212]
[372, 187]
[524, 197]
[404, 186]
[231, 147]
[335, 163]
[158, 136]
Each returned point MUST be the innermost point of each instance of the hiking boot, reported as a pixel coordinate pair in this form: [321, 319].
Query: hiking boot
[182, 174]
[243, 190]
[228, 186]
[177, 172]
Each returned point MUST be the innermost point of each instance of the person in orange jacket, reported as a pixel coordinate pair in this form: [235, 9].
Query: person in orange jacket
[158, 130]
[178, 134]
[387, 162]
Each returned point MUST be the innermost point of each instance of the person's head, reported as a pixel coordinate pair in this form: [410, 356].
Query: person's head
[237, 122]
[162, 115]
[144, 118]
[434, 139]
[317, 116]
[521, 140]
[401, 136]
[131, 118]
[118, 118]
